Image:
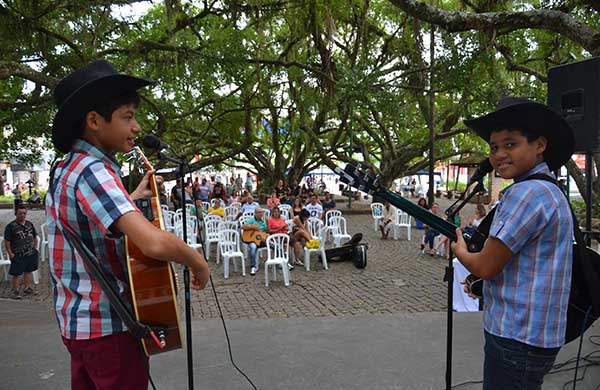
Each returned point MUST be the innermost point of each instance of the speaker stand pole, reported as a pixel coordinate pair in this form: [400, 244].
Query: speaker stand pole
[588, 197]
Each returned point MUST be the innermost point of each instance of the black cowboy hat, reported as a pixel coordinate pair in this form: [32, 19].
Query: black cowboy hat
[76, 95]
[527, 115]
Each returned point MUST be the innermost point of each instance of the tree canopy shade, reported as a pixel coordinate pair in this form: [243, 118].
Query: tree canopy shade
[285, 85]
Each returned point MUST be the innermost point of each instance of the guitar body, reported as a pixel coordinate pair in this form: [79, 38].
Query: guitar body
[153, 289]
[254, 236]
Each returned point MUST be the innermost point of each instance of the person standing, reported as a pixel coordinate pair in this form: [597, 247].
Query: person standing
[249, 183]
[21, 242]
[526, 262]
[96, 119]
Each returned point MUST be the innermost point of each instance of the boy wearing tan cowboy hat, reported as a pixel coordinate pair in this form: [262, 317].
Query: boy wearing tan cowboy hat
[95, 119]
[526, 261]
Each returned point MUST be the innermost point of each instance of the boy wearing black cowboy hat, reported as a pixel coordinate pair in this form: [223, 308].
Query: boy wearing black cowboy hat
[526, 261]
[95, 119]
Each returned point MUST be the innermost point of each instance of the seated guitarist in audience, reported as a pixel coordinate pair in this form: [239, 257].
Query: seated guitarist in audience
[256, 223]
[526, 260]
[94, 122]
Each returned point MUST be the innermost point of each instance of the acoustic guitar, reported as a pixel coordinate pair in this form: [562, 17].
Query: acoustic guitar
[254, 236]
[152, 282]
[579, 313]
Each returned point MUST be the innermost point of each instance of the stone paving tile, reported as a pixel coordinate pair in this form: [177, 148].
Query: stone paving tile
[397, 279]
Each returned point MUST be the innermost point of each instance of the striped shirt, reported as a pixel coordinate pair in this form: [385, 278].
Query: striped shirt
[87, 194]
[527, 301]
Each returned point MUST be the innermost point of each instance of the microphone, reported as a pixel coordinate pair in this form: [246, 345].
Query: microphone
[153, 142]
[483, 169]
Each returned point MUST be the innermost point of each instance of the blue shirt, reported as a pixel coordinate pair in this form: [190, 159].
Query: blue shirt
[527, 301]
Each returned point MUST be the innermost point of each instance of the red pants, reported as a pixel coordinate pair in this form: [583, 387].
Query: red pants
[108, 363]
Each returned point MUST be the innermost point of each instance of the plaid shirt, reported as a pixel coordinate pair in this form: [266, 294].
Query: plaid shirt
[87, 194]
[527, 301]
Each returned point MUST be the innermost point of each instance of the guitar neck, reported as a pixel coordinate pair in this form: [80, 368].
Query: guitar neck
[441, 225]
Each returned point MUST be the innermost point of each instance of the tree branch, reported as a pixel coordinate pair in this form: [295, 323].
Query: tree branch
[11, 68]
[550, 20]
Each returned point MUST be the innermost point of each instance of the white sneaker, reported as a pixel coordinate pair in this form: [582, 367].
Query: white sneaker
[253, 271]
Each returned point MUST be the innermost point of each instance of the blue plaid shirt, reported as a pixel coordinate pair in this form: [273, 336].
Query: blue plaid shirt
[87, 195]
[527, 301]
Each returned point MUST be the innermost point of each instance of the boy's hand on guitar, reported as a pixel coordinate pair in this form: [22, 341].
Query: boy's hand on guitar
[200, 275]
[143, 190]
[460, 246]
[467, 290]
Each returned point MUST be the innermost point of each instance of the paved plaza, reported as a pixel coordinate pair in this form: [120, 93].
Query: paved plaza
[381, 328]
[397, 279]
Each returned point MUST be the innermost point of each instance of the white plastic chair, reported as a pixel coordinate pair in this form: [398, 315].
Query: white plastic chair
[214, 200]
[229, 225]
[317, 231]
[248, 214]
[189, 208]
[403, 220]
[338, 226]
[4, 260]
[328, 215]
[205, 205]
[211, 235]
[43, 243]
[192, 238]
[377, 213]
[266, 214]
[164, 207]
[229, 247]
[168, 220]
[230, 213]
[285, 207]
[278, 255]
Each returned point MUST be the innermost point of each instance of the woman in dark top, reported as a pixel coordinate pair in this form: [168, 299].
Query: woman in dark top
[297, 207]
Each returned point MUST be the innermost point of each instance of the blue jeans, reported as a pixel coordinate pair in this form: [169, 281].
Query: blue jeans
[252, 248]
[430, 235]
[510, 364]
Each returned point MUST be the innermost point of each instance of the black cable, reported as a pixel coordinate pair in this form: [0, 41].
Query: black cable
[219, 306]
[583, 326]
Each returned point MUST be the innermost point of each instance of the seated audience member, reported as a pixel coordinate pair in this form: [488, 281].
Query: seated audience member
[281, 189]
[297, 207]
[287, 200]
[217, 208]
[314, 208]
[328, 203]
[300, 234]
[423, 203]
[276, 224]
[273, 201]
[430, 234]
[249, 205]
[296, 190]
[255, 223]
[474, 222]
[387, 219]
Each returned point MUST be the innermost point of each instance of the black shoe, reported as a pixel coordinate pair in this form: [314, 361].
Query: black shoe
[14, 294]
[29, 291]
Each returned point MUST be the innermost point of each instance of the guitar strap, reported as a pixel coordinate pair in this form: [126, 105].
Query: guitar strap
[581, 260]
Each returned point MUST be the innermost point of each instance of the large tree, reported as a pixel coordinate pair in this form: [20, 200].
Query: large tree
[529, 37]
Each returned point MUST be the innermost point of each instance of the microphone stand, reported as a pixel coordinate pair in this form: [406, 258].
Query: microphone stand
[451, 214]
[182, 161]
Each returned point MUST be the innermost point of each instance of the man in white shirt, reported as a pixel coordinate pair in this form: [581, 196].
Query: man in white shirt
[314, 208]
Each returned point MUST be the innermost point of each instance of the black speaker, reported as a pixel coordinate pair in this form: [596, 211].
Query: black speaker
[574, 91]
